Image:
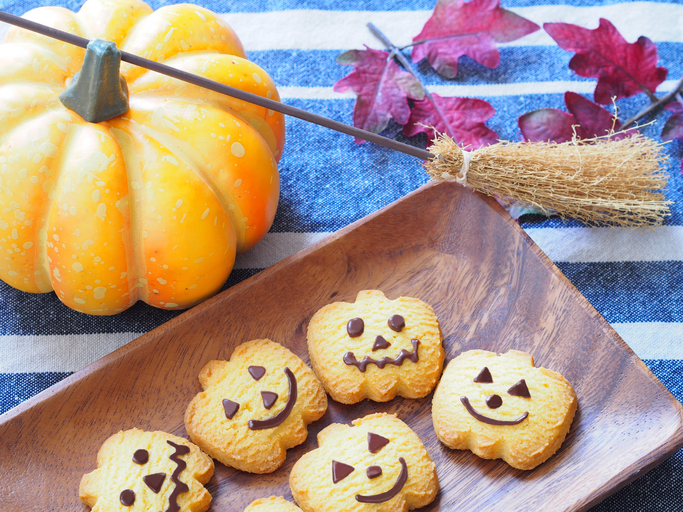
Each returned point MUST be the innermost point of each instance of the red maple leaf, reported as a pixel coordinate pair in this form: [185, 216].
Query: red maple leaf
[383, 89]
[673, 129]
[622, 69]
[461, 118]
[457, 28]
[588, 119]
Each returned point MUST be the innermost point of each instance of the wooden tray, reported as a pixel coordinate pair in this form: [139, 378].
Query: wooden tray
[491, 288]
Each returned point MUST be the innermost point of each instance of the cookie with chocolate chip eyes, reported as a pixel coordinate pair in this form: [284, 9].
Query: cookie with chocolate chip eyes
[379, 464]
[376, 348]
[272, 504]
[503, 407]
[255, 406]
[142, 471]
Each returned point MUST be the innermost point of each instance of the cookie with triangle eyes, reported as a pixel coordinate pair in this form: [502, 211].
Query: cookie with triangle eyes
[138, 471]
[377, 465]
[503, 407]
[272, 504]
[376, 348]
[255, 406]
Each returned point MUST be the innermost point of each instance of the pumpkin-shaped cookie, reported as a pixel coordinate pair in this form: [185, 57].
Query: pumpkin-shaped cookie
[140, 471]
[154, 203]
[503, 407]
[376, 348]
[377, 465]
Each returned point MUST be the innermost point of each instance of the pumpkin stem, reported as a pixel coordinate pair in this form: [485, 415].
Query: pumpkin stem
[97, 92]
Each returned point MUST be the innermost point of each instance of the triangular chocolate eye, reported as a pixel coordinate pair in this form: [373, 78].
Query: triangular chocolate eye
[380, 342]
[484, 377]
[155, 481]
[230, 408]
[520, 389]
[257, 372]
[376, 442]
[269, 399]
[340, 471]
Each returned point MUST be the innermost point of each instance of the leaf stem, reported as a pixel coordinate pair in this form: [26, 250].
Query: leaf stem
[396, 53]
[674, 94]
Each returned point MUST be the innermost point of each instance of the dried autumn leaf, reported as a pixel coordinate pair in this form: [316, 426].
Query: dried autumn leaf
[462, 118]
[622, 69]
[673, 129]
[382, 87]
[588, 119]
[457, 28]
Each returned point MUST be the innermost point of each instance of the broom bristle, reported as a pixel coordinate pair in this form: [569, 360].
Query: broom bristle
[600, 181]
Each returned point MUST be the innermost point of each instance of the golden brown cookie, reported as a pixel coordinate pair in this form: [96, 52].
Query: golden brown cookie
[139, 471]
[502, 407]
[255, 406]
[272, 504]
[377, 465]
[376, 348]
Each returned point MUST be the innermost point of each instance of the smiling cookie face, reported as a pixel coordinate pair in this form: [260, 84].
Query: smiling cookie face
[377, 465]
[501, 406]
[138, 471]
[255, 406]
[376, 348]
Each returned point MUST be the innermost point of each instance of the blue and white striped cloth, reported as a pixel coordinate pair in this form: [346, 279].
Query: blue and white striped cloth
[634, 278]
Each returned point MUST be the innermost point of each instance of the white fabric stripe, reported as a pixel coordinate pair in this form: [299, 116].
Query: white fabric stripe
[653, 340]
[57, 353]
[591, 245]
[487, 90]
[65, 353]
[344, 30]
[275, 247]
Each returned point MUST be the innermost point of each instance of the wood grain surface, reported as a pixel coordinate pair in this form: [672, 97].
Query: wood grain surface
[491, 288]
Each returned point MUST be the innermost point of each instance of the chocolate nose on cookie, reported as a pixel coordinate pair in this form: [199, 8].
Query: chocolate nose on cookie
[494, 401]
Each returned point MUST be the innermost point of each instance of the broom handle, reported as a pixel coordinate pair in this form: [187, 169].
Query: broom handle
[224, 89]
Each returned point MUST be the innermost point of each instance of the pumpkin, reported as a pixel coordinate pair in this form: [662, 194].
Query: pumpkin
[154, 203]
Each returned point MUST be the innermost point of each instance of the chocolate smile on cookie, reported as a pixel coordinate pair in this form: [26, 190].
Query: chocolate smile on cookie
[350, 357]
[282, 415]
[375, 444]
[495, 401]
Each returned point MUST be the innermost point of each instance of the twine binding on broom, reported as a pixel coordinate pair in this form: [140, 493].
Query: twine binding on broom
[601, 181]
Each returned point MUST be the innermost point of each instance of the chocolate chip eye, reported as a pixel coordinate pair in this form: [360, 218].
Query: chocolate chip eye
[520, 389]
[141, 456]
[257, 372]
[355, 327]
[396, 323]
[376, 442]
[484, 377]
[230, 408]
[340, 471]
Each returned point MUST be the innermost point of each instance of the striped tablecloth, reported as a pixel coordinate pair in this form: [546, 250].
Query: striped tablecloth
[633, 278]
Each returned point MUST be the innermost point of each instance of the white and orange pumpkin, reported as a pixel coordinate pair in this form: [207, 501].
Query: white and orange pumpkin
[152, 204]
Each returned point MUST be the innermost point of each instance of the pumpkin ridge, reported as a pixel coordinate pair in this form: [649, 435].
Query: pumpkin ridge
[43, 222]
[194, 161]
[136, 266]
[29, 116]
